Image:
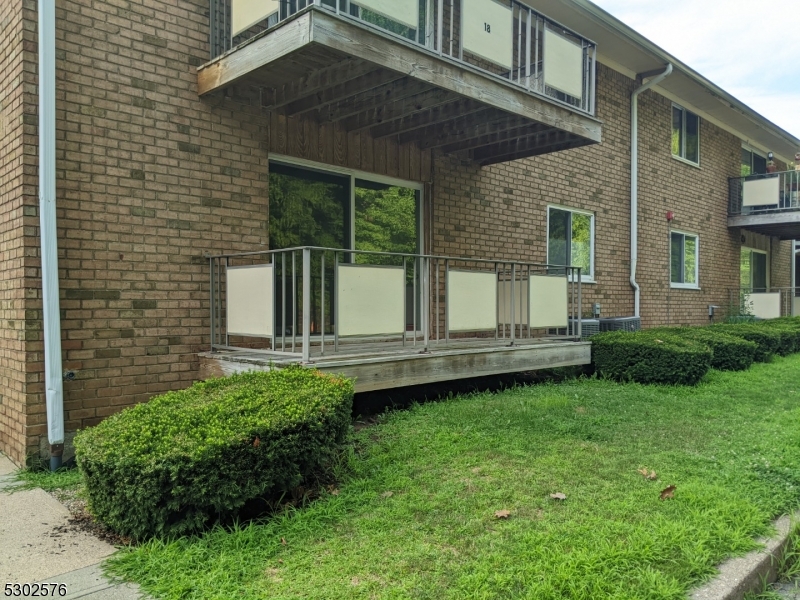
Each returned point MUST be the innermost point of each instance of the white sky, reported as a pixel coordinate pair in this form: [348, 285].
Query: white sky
[749, 48]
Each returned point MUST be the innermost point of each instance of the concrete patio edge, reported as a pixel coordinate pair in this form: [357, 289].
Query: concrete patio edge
[750, 572]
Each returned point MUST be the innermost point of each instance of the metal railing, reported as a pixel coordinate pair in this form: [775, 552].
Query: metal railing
[786, 196]
[303, 313]
[439, 30]
[765, 303]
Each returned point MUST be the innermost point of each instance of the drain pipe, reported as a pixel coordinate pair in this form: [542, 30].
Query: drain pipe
[635, 177]
[48, 231]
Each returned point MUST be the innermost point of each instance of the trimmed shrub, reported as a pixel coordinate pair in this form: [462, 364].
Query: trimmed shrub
[789, 329]
[729, 353]
[174, 464]
[647, 357]
[768, 342]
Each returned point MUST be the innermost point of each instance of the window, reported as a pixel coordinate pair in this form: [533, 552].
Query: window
[684, 262]
[753, 270]
[570, 239]
[752, 163]
[685, 134]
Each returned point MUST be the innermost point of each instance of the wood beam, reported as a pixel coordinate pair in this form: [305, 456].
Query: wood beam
[470, 129]
[344, 88]
[398, 109]
[318, 80]
[489, 139]
[458, 108]
[432, 135]
[536, 145]
[348, 107]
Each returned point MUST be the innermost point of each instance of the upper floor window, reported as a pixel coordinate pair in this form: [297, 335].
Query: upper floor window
[684, 260]
[570, 239]
[685, 134]
[752, 162]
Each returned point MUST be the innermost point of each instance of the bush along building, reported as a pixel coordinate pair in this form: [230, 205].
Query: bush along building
[404, 192]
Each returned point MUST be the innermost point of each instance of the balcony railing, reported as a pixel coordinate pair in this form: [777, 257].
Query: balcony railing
[303, 303]
[503, 39]
[765, 303]
[764, 194]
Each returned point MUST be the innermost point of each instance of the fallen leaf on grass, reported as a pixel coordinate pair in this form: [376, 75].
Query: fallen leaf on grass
[256, 443]
[502, 514]
[558, 496]
[651, 475]
[283, 541]
[387, 494]
[668, 492]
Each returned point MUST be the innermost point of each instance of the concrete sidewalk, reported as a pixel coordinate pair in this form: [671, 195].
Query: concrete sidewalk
[40, 545]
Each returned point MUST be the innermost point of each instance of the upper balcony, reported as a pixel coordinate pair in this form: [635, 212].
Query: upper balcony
[768, 204]
[490, 78]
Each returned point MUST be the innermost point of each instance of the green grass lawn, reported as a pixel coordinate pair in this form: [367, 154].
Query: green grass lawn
[414, 517]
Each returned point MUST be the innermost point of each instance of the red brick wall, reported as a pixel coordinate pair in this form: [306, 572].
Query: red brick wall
[19, 320]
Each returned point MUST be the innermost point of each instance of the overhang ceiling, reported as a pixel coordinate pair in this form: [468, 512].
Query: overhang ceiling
[627, 51]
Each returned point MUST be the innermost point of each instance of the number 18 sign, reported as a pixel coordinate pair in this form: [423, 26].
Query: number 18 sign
[488, 29]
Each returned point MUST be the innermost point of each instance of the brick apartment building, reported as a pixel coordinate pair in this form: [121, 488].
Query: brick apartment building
[187, 129]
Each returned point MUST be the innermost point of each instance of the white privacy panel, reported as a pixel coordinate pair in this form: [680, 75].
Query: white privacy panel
[250, 300]
[471, 300]
[520, 301]
[764, 306]
[246, 13]
[796, 307]
[402, 11]
[488, 31]
[549, 302]
[760, 192]
[370, 300]
[563, 64]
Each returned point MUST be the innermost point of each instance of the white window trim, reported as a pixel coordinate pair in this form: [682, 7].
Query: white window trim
[585, 278]
[678, 157]
[686, 286]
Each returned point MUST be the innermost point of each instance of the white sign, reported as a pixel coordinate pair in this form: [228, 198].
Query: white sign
[246, 13]
[370, 300]
[402, 11]
[488, 31]
[563, 64]
[250, 301]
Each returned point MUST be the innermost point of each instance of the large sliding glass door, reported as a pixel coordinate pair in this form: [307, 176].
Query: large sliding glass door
[315, 207]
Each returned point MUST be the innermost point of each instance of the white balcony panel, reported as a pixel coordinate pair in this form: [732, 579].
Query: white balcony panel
[246, 13]
[549, 301]
[764, 306]
[761, 192]
[250, 307]
[472, 300]
[402, 11]
[563, 64]
[488, 31]
[796, 307]
[370, 300]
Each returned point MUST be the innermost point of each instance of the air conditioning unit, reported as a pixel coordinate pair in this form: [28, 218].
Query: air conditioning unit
[589, 327]
[621, 324]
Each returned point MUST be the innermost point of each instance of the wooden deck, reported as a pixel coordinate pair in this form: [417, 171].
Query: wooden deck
[383, 365]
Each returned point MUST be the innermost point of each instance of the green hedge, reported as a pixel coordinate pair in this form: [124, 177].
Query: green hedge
[768, 341]
[729, 353]
[647, 357]
[174, 464]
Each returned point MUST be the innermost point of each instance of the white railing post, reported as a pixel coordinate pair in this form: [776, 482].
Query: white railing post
[306, 305]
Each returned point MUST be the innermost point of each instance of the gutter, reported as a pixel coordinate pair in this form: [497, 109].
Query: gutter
[48, 232]
[635, 180]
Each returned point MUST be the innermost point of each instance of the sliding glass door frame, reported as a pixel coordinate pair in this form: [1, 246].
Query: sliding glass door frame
[354, 174]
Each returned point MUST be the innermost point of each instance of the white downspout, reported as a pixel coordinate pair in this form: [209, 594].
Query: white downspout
[635, 181]
[47, 230]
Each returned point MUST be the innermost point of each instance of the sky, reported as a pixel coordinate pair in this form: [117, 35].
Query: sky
[749, 48]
